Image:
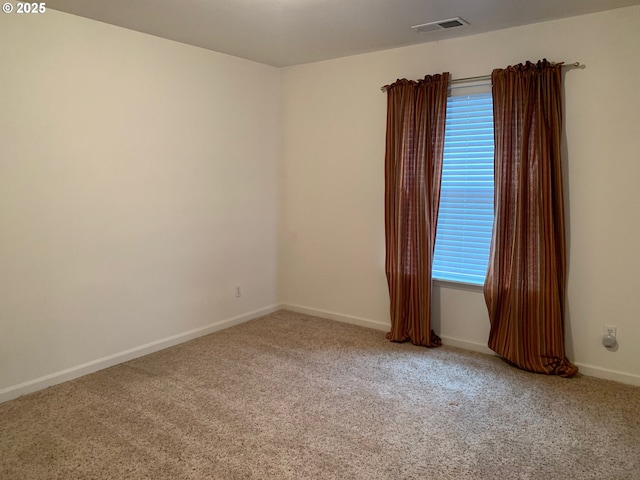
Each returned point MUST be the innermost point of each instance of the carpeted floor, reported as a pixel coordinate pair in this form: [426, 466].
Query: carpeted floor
[289, 396]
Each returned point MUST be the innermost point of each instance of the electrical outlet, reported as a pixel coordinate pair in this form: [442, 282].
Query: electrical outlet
[238, 290]
[610, 331]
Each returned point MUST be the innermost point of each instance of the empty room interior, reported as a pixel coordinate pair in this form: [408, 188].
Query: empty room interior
[194, 258]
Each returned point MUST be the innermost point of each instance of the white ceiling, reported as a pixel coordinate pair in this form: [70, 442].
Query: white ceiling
[290, 32]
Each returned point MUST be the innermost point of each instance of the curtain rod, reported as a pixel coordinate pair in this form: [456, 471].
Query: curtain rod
[487, 77]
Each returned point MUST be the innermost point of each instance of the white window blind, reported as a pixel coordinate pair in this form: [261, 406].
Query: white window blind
[465, 218]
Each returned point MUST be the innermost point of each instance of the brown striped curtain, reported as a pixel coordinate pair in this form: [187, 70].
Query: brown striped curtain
[525, 284]
[416, 114]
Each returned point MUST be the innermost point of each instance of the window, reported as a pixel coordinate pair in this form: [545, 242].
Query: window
[465, 218]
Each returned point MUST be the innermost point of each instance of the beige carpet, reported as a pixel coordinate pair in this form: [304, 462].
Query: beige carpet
[289, 396]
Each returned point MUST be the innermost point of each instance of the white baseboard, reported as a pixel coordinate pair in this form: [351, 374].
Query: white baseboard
[339, 317]
[589, 370]
[365, 322]
[466, 345]
[606, 374]
[31, 386]
[40, 383]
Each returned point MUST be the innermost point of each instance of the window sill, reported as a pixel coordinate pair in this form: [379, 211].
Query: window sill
[472, 287]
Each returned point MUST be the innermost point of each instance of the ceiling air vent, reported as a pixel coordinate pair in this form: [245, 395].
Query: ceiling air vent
[440, 25]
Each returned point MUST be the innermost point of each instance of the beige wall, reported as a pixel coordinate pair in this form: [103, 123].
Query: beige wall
[332, 249]
[138, 185]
